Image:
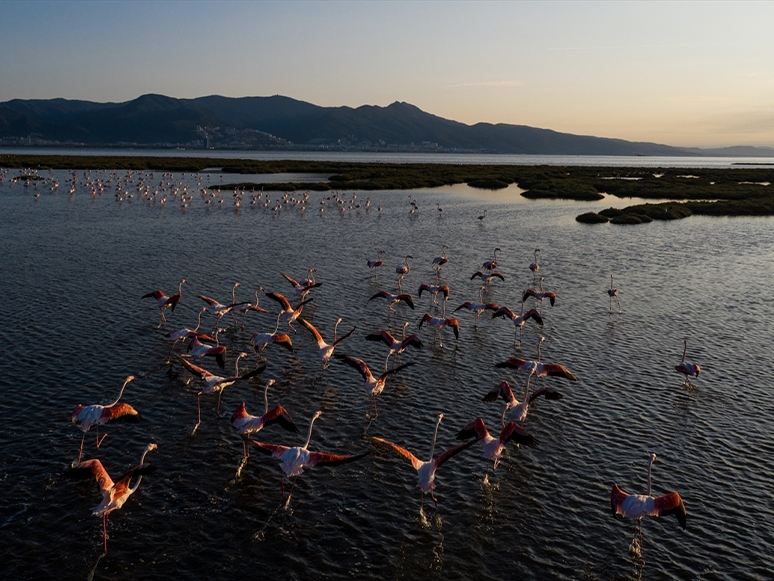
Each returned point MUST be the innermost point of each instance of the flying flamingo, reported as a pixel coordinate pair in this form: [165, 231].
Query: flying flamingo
[215, 383]
[261, 340]
[539, 294]
[478, 308]
[519, 320]
[534, 266]
[376, 263]
[395, 345]
[374, 385]
[635, 506]
[425, 470]
[434, 289]
[406, 298]
[166, 302]
[491, 264]
[538, 368]
[288, 314]
[613, 292]
[439, 323]
[114, 495]
[402, 271]
[180, 334]
[486, 277]
[199, 349]
[303, 287]
[247, 424]
[439, 261]
[220, 309]
[503, 389]
[687, 368]
[493, 446]
[324, 350]
[99, 415]
[294, 459]
[246, 307]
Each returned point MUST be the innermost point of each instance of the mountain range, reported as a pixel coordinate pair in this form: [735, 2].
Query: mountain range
[280, 122]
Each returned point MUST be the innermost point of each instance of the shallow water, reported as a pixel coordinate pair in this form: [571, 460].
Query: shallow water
[75, 267]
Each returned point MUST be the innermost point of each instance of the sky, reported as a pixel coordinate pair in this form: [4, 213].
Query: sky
[679, 73]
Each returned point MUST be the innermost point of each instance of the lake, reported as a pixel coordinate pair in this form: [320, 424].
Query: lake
[74, 269]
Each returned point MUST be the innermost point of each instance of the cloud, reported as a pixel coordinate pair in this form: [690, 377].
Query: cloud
[488, 84]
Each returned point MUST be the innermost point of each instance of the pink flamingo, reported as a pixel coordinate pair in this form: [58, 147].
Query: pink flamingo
[374, 385]
[687, 368]
[324, 350]
[519, 320]
[406, 298]
[165, 302]
[493, 446]
[396, 347]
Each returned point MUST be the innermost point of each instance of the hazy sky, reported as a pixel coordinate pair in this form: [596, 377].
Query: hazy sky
[680, 73]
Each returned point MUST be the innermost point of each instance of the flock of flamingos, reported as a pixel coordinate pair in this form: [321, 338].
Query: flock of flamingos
[201, 346]
[293, 459]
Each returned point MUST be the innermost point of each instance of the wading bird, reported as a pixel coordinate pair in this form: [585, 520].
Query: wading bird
[486, 277]
[288, 314]
[406, 298]
[98, 415]
[260, 340]
[402, 271]
[538, 368]
[534, 266]
[374, 385]
[114, 495]
[376, 263]
[439, 261]
[246, 307]
[165, 302]
[613, 292]
[439, 323]
[482, 216]
[199, 349]
[324, 350]
[425, 470]
[478, 308]
[396, 347]
[539, 294]
[434, 289]
[293, 460]
[493, 446]
[503, 389]
[180, 334]
[519, 320]
[490, 264]
[303, 287]
[635, 506]
[687, 368]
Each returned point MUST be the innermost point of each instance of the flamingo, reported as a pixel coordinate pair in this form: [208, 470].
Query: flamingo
[613, 292]
[376, 263]
[220, 309]
[687, 368]
[402, 271]
[245, 307]
[493, 446]
[303, 287]
[215, 383]
[425, 470]
[199, 349]
[179, 334]
[406, 298]
[477, 308]
[503, 389]
[165, 302]
[538, 368]
[482, 216]
[288, 314]
[534, 266]
[439, 323]
[294, 459]
[395, 345]
[519, 320]
[438, 206]
[261, 340]
[99, 415]
[247, 424]
[114, 495]
[487, 277]
[374, 385]
[325, 351]
[635, 506]
[434, 289]
[539, 294]
[490, 264]
[439, 261]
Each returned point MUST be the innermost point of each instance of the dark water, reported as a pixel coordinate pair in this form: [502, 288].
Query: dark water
[74, 269]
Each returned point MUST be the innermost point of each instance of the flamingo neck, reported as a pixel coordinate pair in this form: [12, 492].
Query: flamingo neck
[650, 466]
[120, 393]
[309, 435]
[139, 478]
[526, 388]
[266, 399]
[199, 319]
[180, 287]
[233, 295]
[403, 336]
[435, 435]
[236, 365]
[685, 349]
[335, 328]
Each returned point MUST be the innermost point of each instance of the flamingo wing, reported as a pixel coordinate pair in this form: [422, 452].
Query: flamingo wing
[411, 341]
[396, 369]
[157, 294]
[322, 458]
[252, 373]
[123, 483]
[406, 298]
[530, 292]
[512, 432]
[383, 336]
[281, 300]
[476, 429]
[284, 340]
[275, 450]
[451, 452]
[200, 372]
[504, 312]
[399, 451]
[280, 416]
[551, 297]
[358, 364]
[455, 325]
[558, 370]
[465, 305]
[210, 301]
[548, 392]
[512, 363]
[121, 412]
[533, 314]
[670, 504]
[313, 330]
[91, 469]
[292, 281]
[477, 273]
[381, 294]
[340, 339]
[501, 389]
[617, 498]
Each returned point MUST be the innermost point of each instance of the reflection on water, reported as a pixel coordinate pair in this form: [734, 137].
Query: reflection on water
[75, 267]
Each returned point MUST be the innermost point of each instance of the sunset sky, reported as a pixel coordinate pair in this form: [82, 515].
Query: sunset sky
[679, 73]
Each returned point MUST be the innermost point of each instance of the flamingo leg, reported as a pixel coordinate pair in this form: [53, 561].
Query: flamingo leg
[104, 533]
[100, 440]
[169, 355]
[80, 452]
[199, 412]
